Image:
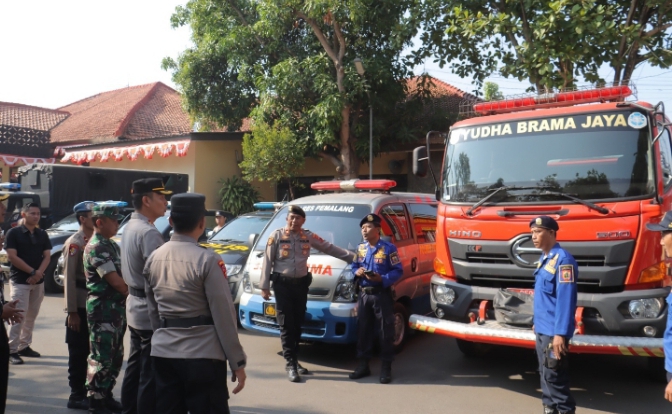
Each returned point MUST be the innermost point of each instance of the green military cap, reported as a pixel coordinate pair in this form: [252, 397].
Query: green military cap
[108, 209]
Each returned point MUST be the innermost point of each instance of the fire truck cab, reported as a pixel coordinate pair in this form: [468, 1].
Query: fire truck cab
[599, 165]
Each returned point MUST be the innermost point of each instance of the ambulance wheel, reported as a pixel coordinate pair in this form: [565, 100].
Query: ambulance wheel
[656, 369]
[400, 326]
[473, 349]
[53, 283]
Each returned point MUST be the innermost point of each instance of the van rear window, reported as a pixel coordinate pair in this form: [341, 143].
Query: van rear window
[336, 223]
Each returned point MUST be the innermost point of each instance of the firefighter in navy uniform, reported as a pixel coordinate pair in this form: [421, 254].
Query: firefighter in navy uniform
[286, 264]
[77, 329]
[378, 267]
[554, 308]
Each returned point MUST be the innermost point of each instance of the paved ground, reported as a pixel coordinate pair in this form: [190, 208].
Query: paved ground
[430, 376]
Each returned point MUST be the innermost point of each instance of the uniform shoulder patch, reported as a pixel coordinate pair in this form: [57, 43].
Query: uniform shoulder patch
[316, 237]
[223, 267]
[270, 240]
[394, 258]
[566, 274]
[73, 250]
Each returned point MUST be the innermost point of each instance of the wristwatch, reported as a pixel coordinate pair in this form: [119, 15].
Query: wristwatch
[32, 273]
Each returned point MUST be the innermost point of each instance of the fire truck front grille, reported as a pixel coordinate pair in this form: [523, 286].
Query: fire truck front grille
[494, 258]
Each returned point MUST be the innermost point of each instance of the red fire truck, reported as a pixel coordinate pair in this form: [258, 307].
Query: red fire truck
[598, 164]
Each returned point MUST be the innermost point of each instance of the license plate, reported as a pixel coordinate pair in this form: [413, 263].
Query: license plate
[269, 309]
[525, 291]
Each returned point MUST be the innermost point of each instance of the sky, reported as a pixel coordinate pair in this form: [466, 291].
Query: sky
[53, 53]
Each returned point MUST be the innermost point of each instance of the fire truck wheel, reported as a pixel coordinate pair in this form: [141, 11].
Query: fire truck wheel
[473, 349]
[656, 369]
[400, 326]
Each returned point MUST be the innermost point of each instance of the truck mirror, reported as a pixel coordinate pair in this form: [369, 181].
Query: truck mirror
[420, 162]
[252, 238]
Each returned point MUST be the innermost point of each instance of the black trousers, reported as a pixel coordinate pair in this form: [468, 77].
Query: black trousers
[290, 302]
[197, 386]
[78, 352]
[138, 390]
[4, 365]
[554, 383]
[375, 314]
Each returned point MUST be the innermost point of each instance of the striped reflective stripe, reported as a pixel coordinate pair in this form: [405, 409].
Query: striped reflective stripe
[645, 352]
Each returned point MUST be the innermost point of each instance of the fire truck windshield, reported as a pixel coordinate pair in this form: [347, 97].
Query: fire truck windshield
[575, 158]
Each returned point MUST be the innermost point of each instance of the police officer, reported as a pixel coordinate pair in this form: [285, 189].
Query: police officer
[220, 219]
[665, 227]
[139, 240]
[77, 330]
[286, 264]
[105, 309]
[377, 268]
[191, 310]
[554, 308]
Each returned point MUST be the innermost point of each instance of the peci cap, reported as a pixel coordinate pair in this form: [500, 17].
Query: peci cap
[83, 207]
[545, 222]
[186, 204]
[149, 185]
[297, 210]
[371, 218]
[664, 225]
[108, 209]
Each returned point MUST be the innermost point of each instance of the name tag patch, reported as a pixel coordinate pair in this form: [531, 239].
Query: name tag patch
[566, 274]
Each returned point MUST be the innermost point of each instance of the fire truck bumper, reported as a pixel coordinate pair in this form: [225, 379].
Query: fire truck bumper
[492, 332]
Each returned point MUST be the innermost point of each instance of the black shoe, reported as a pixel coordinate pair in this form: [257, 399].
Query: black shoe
[301, 370]
[98, 407]
[361, 371]
[28, 352]
[112, 404]
[78, 402]
[550, 410]
[386, 372]
[15, 359]
[293, 374]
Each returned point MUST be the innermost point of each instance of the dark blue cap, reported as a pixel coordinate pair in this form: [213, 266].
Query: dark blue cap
[84, 207]
[186, 204]
[371, 218]
[545, 222]
[149, 185]
[664, 225]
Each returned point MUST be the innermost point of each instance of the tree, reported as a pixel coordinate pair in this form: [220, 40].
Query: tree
[290, 62]
[273, 154]
[237, 196]
[549, 43]
[492, 92]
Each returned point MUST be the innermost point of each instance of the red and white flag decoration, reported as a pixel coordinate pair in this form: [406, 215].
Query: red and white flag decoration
[165, 149]
[10, 160]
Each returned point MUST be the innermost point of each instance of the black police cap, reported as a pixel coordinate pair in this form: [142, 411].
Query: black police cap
[297, 210]
[371, 218]
[149, 185]
[545, 222]
[185, 204]
[664, 225]
[220, 213]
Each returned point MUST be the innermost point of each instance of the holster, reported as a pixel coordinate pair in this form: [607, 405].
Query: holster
[551, 361]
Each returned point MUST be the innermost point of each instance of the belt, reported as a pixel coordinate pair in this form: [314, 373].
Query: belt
[138, 293]
[373, 290]
[186, 322]
[289, 280]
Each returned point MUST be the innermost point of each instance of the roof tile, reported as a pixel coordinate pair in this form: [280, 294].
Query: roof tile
[31, 117]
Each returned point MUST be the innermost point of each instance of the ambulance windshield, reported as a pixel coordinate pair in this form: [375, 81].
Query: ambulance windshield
[336, 223]
[591, 157]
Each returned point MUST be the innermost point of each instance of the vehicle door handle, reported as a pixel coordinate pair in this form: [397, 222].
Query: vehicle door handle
[414, 264]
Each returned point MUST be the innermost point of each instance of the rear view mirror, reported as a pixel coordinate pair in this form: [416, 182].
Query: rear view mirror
[252, 238]
[420, 162]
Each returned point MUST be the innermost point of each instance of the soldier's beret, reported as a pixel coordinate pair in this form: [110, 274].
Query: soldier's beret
[149, 185]
[186, 204]
[297, 210]
[83, 207]
[664, 225]
[545, 222]
[371, 218]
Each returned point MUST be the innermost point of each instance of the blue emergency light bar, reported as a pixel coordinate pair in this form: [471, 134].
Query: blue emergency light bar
[10, 186]
[265, 205]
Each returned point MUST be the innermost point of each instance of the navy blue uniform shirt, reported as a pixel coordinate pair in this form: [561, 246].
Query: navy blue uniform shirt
[382, 259]
[555, 293]
[667, 337]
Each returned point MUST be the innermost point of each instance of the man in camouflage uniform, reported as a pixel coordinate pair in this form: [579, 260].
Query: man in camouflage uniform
[105, 309]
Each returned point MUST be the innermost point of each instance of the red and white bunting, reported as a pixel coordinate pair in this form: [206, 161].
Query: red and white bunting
[165, 149]
[11, 160]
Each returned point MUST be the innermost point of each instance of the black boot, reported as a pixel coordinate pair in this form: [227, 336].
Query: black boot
[112, 404]
[386, 372]
[550, 410]
[301, 370]
[97, 406]
[78, 401]
[292, 371]
[362, 370]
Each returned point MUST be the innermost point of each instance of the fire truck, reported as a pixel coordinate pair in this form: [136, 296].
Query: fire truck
[599, 164]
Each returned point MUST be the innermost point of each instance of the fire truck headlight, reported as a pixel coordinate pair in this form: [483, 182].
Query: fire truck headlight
[645, 308]
[444, 295]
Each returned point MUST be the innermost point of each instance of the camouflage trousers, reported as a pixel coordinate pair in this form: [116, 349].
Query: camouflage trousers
[106, 357]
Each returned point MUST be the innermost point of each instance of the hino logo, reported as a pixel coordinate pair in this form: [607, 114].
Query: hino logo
[465, 234]
[518, 250]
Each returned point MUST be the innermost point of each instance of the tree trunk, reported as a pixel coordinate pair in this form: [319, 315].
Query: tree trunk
[291, 189]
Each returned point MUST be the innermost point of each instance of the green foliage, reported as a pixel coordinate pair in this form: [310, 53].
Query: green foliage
[272, 153]
[290, 62]
[549, 43]
[238, 196]
[492, 92]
